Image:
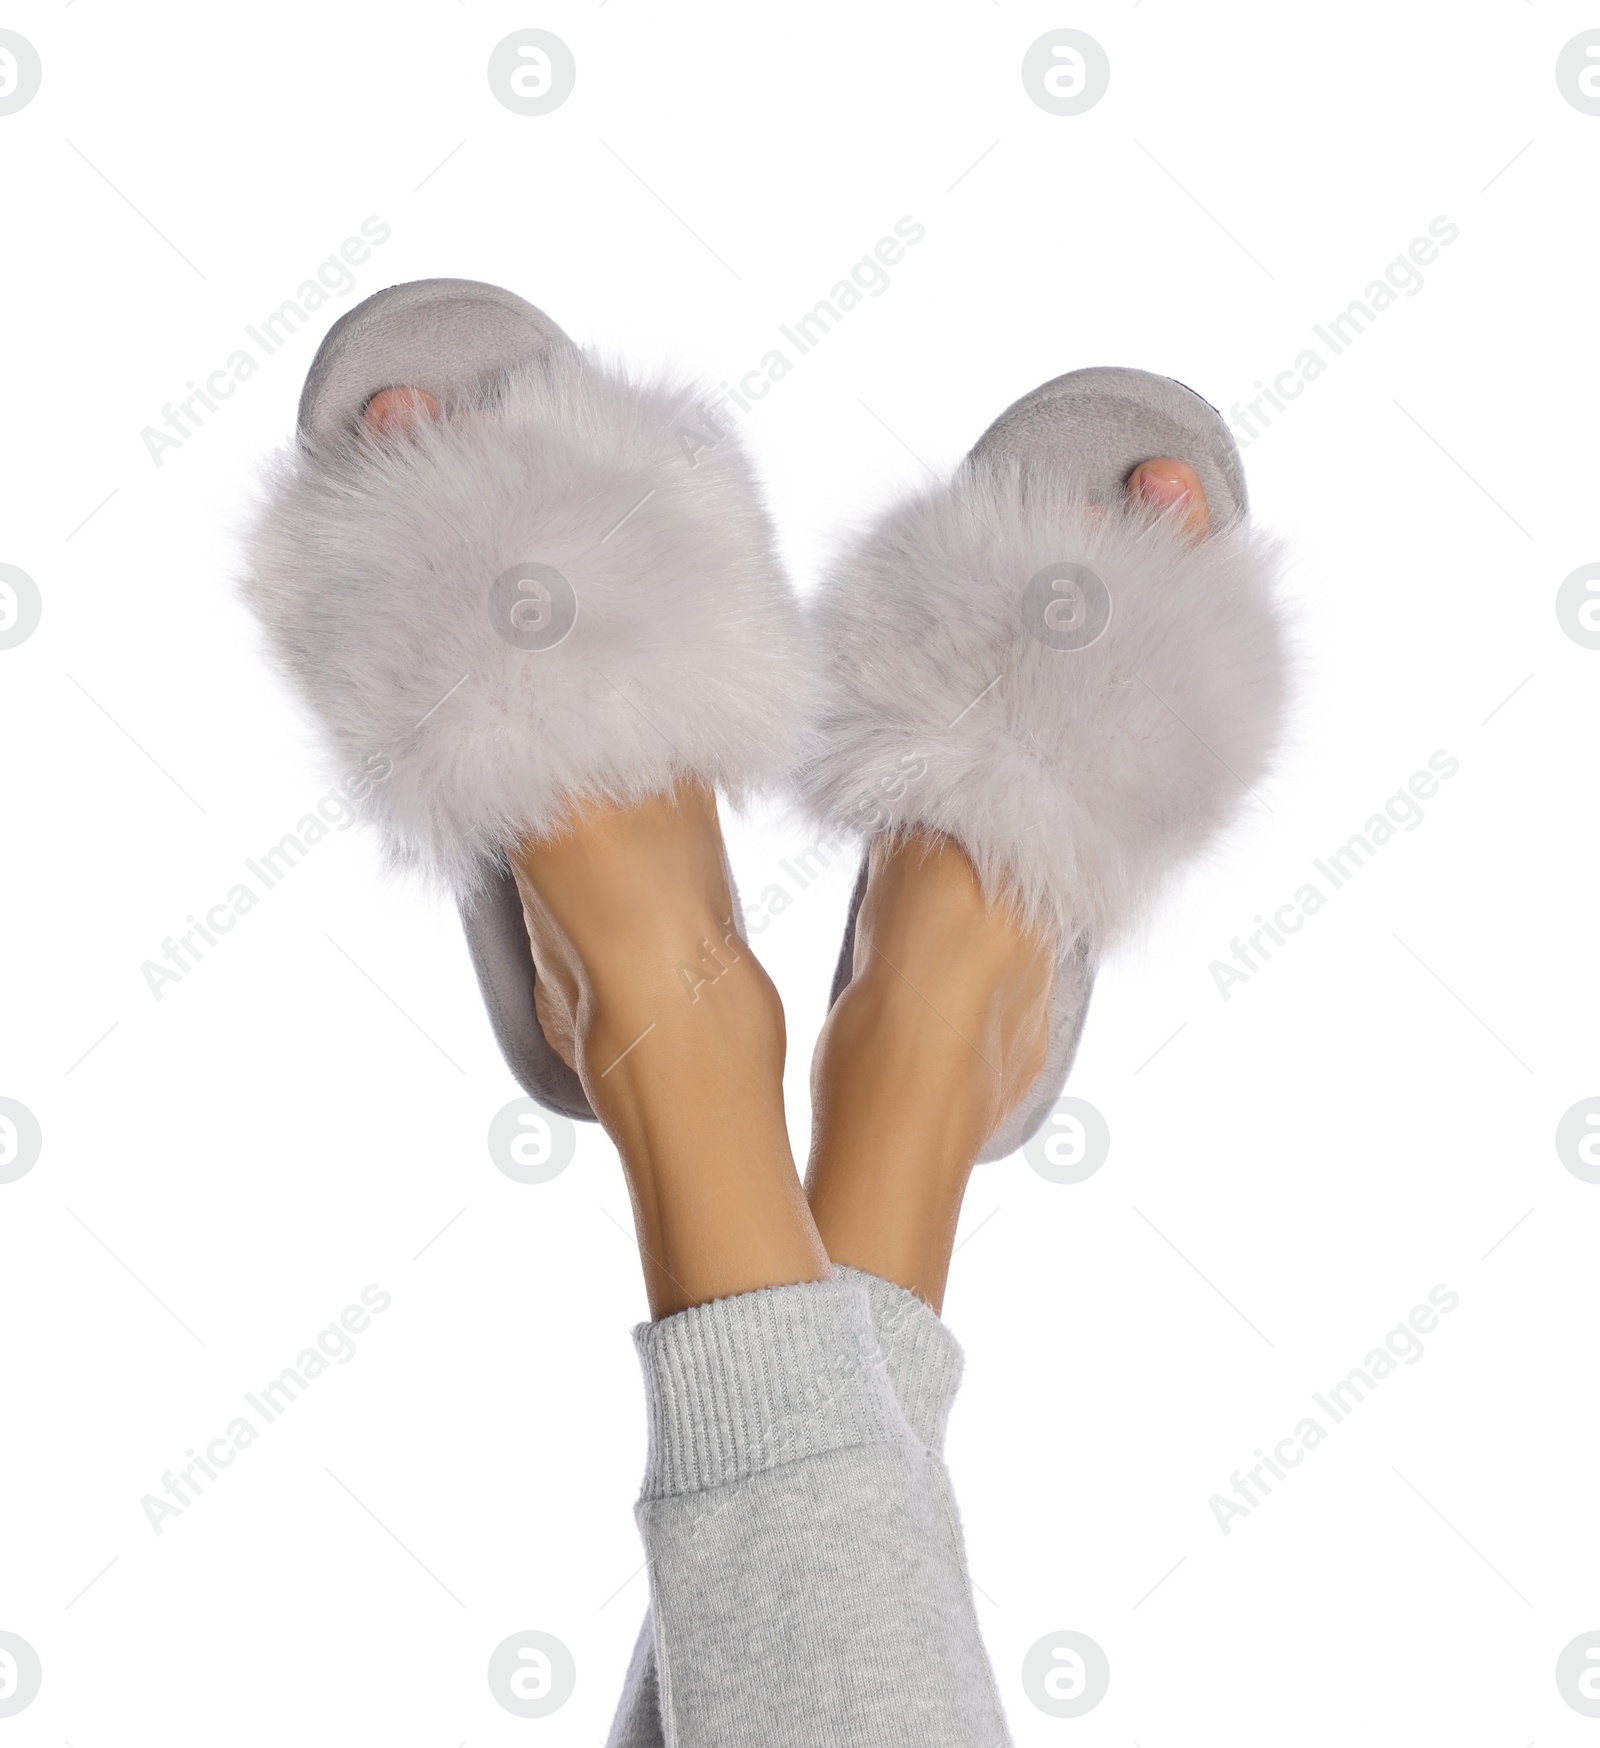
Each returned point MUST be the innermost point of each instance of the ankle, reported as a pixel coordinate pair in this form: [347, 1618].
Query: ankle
[695, 993]
[689, 1086]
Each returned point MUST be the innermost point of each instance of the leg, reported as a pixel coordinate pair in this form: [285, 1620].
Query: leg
[907, 1083]
[939, 1034]
[941, 1030]
[677, 1034]
[805, 1584]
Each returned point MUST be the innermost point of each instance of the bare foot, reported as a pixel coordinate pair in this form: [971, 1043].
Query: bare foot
[940, 1034]
[677, 1034]
[967, 983]
[942, 1029]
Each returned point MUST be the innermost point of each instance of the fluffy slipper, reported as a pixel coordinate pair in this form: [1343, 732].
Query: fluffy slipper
[563, 588]
[1072, 687]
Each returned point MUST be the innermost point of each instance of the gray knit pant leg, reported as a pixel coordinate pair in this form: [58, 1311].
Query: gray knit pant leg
[923, 1358]
[827, 1561]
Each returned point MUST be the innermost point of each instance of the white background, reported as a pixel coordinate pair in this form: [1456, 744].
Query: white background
[226, 1168]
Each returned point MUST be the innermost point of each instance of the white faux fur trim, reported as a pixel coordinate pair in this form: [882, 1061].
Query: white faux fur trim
[1076, 779]
[372, 567]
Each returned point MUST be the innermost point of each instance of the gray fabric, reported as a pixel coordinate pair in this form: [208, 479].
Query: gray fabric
[637, 1723]
[1097, 425]
[922, 1364]
[1069, 1008]
[855, 1632]
[923, 1359]
[497, 939]
[448, 336]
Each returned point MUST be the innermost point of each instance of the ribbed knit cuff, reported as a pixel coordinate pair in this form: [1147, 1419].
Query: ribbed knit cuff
[742, 1385]
[924, 1359]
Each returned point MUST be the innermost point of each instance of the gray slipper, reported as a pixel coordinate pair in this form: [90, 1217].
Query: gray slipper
[564, 589]
[1070, 686]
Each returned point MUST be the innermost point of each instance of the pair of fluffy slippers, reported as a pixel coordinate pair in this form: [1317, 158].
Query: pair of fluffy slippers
[566, 587]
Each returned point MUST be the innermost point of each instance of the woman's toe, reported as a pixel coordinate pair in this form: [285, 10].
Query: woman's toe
[1165, 484]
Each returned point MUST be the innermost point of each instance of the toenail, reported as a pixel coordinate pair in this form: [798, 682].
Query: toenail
[1156, 490]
